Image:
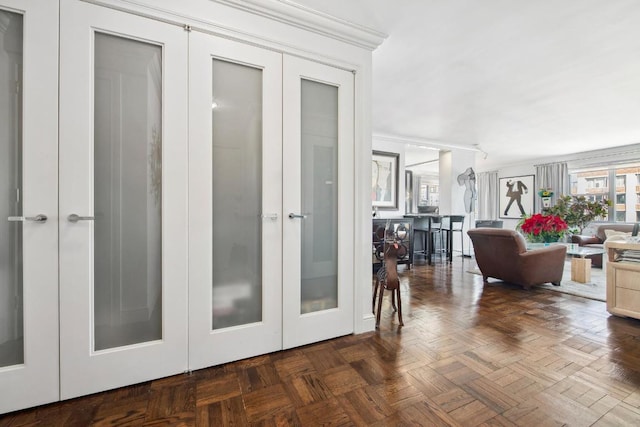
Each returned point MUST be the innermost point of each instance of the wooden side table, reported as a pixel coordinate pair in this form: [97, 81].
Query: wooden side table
[580, 265]
[581, 270]
[623, 279]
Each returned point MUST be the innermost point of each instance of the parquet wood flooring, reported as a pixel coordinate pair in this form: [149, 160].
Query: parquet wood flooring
[469, 355]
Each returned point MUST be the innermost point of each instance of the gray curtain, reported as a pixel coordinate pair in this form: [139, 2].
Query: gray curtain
[554, 176]
[487, 195]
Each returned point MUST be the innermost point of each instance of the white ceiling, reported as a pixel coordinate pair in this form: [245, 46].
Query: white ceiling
[520, 79]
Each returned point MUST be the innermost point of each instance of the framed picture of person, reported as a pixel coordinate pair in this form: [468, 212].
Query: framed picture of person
[384, 180]
[516, 196]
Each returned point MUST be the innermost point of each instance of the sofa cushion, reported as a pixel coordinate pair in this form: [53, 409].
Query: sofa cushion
[615, 235]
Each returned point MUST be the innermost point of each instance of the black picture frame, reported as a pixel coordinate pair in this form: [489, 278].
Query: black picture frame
[516, 196]
[384, 180]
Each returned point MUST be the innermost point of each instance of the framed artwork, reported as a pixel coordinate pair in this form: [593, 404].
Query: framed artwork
[516, 196]
[384, 180]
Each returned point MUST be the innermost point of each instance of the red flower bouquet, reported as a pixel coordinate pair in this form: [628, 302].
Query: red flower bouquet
[543, 228]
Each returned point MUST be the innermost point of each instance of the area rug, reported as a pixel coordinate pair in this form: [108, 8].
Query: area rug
[595, 289]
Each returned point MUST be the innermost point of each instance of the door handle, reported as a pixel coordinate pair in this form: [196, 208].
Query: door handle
[271, 216]
[293, 216]
[37, 218]
[75, 218]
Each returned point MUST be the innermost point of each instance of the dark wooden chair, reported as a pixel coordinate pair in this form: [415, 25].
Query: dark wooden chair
[387, 278]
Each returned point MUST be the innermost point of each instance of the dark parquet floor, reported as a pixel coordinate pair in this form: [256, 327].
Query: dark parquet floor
[469, 355]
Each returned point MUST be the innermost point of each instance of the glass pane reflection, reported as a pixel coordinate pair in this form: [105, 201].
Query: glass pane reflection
[319, 282]
[237, 195]
[128, 192]
[11, 286]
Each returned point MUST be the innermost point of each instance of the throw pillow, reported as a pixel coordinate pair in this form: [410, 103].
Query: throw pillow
[613, 235]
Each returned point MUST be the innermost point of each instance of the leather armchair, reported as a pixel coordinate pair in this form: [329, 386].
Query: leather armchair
[502, 254]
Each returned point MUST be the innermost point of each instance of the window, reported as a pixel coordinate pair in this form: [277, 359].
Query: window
[594, 185]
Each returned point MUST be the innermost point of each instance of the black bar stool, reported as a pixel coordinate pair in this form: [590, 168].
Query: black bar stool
[436, 234]
[456, 225]
[420, 235]
[426, 231]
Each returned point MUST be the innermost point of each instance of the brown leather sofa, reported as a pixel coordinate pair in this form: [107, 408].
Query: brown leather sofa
[597, 238]
[502, 254]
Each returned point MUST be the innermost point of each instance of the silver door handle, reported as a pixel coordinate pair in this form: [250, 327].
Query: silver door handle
[271, 216]
[292, 216]
[37, 218]
[75, 218]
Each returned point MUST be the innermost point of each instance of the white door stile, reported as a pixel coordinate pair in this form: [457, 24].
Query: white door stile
[35, 381]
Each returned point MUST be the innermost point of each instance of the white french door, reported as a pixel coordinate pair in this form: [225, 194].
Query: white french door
[123, 199]
[175, 200]
[318, 194]
[28, 185]
[235, 201]
[271, 201]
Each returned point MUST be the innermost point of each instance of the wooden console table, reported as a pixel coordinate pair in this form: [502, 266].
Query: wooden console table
[623, 278]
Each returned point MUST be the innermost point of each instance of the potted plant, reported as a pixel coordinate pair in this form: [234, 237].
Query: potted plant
[578, 211]
[542, 228]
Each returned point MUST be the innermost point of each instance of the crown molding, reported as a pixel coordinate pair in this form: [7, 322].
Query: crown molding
[294, 14]
[430, 143]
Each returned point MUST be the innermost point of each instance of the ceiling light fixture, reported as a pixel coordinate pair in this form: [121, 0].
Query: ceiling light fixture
[484, 153]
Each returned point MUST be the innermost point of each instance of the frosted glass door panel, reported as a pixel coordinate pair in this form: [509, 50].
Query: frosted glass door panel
[128, 188]
[237, 194]
[319, 143]
[11, 287]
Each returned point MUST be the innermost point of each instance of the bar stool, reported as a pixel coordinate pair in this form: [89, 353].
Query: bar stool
[456, 225]
[420, 231]
[420, 235]
[436, 234]
[427, 241]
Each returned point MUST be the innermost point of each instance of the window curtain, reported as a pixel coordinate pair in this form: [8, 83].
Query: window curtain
[487, 195]
[554, 176]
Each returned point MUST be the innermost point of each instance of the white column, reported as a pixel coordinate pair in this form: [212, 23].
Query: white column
[453, 163]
